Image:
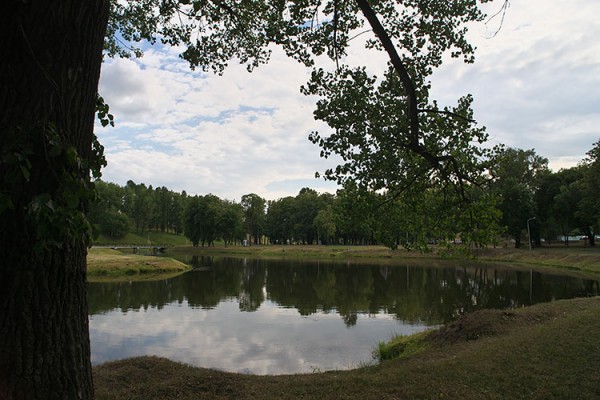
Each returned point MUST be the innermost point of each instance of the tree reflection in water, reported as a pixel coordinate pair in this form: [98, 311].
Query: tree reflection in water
[413, 294]
[273, 317]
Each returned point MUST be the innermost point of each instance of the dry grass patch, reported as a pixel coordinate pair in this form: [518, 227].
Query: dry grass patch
[103, 263]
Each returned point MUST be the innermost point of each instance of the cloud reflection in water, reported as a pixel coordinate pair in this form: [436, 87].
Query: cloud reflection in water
[271, 340]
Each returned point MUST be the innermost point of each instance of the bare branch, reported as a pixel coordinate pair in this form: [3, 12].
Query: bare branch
[502, 11]
[359, 34]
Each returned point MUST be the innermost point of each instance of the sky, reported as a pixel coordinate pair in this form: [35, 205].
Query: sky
[536, 85]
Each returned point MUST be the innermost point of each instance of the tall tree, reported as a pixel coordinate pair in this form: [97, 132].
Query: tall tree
[107, 212]
[254, 215]
[354, 211]
[231, 222]
[279, 220]
[588, 207]
[517, 175]
[48, 83]
[140, 205]
[307, 207]
[192, 219]
[549, 188]
[324, 221]
[176, 207]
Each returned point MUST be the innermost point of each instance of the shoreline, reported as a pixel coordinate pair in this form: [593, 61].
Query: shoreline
[544, 351]
[547, 350]
[109, 264]
[571, 260]
[105, 264]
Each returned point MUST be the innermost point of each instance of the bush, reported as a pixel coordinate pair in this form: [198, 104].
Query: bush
[401, 346]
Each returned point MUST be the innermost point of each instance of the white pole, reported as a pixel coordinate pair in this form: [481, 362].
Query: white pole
[529, 232]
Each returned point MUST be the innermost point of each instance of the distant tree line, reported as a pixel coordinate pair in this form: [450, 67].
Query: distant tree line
[556, 204]
[522, 193]
[136, 207]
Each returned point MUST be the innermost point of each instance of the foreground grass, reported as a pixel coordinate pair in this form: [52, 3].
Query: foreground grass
[547, 351]
[109, 264]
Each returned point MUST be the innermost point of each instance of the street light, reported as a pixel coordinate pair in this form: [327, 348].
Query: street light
[529, 232]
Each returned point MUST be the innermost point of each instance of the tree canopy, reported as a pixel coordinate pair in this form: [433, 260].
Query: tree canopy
[392, 137]
[49, 79]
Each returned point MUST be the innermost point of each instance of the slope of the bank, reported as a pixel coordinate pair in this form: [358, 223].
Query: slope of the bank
[547, 351]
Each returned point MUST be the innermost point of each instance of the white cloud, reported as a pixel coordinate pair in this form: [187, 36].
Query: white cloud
[535, 86]
[534, 83]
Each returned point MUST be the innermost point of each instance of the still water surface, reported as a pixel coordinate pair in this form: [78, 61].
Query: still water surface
[276, 317]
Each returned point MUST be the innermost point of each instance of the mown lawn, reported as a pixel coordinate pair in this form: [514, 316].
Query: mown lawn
[109, 264]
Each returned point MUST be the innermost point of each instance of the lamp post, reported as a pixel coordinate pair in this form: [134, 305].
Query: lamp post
[529, 231]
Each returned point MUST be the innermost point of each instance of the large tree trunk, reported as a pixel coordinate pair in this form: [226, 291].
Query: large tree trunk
[48, 83]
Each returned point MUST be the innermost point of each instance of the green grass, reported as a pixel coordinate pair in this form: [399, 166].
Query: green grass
[401, 346]
[108, 264]
[547, 351]
[572, 258]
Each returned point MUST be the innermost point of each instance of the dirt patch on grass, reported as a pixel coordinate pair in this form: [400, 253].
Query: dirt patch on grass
[488, 323]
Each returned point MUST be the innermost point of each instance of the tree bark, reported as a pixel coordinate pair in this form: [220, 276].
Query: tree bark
[48, 77]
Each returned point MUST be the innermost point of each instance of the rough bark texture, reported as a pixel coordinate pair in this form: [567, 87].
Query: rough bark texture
[52, 52]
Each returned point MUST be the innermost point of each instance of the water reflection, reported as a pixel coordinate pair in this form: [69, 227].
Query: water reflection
[289, 316]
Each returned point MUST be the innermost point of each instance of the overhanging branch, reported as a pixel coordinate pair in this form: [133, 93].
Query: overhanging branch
[441, 163]
[445, 112]
[407, 82]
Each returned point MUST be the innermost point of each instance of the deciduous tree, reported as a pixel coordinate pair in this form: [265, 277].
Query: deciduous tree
[48, 83]
[48, 96]
[517, 175]
[254, 215]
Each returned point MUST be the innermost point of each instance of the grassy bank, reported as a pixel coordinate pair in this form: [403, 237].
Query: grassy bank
[574, 258]
[569, 259]
[111, 264]
[547, 351]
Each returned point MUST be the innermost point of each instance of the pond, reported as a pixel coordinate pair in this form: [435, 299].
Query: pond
[287, 316]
